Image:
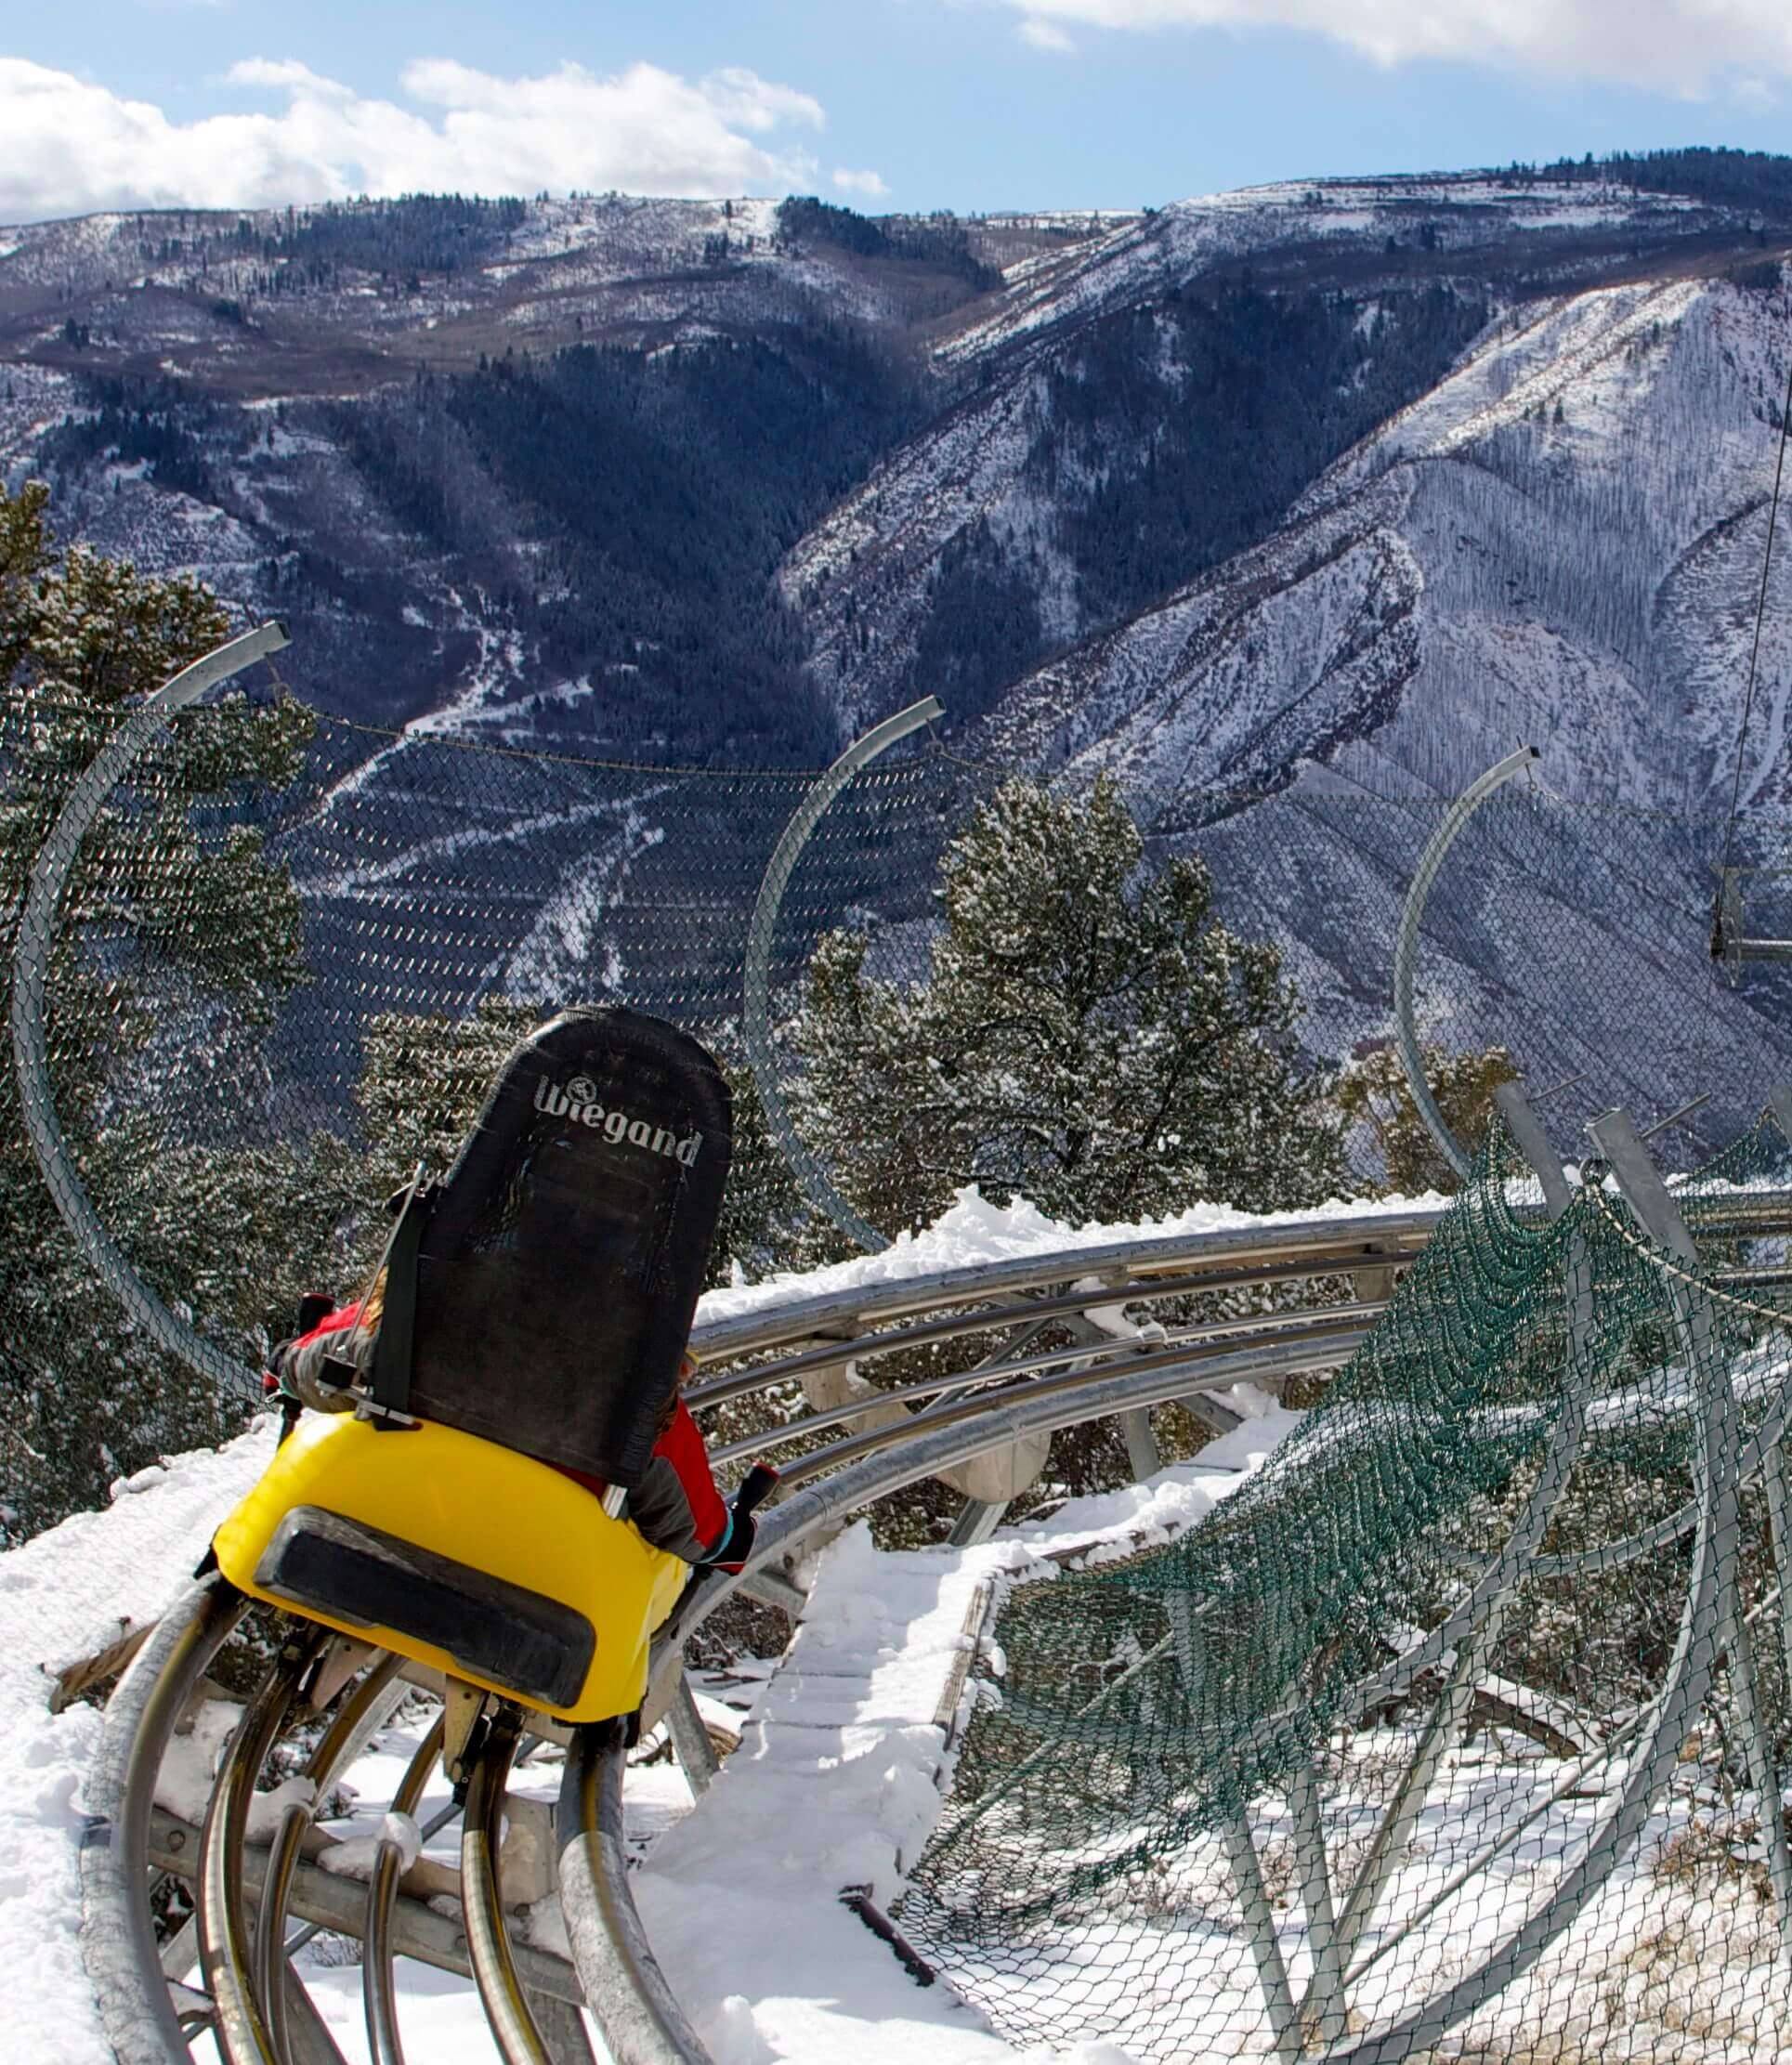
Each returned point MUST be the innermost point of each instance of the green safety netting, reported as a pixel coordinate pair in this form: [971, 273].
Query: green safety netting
[1460, 1639]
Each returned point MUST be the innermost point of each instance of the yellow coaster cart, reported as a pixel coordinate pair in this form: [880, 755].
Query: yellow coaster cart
[461, 1517]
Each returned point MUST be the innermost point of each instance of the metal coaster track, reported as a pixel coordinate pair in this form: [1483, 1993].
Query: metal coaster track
[245, 1887]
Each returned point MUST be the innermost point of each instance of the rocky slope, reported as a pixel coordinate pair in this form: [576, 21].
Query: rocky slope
[1314, 494]
[1561, 545]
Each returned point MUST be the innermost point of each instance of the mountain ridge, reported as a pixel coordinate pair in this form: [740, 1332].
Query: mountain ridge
[1275, 504]
[369, 513]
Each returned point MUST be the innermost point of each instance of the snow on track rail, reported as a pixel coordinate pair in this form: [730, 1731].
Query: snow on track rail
[68, 1597]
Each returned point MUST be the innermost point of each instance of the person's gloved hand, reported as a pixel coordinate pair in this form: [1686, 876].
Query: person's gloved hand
[731, 1552]
[279, 1380]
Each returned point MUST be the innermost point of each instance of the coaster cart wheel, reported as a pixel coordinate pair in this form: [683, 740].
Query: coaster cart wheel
[173, 1987]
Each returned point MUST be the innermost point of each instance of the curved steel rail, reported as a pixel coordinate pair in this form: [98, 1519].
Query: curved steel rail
[1405, 946]
[225, 1945]
[118, 1943]
[31, 961]
[506, 2007]
[626, 1990]
[379, 1996]
[1230, 1258]
[755, 1013]
[365, 1710]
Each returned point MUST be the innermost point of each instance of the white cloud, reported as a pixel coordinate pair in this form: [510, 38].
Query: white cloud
[1682, 46]
[286, 74]
[867, 183]
[68, 147]
[1045, 35]
[741, 95]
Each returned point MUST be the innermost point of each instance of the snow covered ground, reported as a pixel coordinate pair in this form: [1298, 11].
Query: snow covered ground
[64, 1597]
[835, 1783]
[845, 1744]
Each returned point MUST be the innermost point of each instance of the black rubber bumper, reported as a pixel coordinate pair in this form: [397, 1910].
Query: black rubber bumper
[528, 1643]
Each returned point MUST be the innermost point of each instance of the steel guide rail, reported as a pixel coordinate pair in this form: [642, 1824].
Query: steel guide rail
[1223, 1256]
[620, 1984]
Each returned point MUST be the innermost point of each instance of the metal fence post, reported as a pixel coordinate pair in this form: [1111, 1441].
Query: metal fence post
[1405, 946]
[755, 1004]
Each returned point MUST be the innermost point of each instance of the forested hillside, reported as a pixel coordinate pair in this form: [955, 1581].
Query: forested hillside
[697, 481]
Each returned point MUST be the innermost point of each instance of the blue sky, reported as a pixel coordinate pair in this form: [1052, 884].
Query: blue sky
[967, 104]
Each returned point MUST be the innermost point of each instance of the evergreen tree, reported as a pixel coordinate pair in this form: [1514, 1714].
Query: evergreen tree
[1373, 1093]
[168, 920]
[423, 1077]
[1089, 1036]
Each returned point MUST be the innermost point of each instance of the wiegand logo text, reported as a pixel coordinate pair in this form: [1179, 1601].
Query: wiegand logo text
[577, 1102]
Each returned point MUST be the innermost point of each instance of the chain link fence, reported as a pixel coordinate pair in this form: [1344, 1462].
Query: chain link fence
[291, 950]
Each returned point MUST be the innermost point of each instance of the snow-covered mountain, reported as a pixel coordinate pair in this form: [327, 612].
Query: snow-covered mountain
[962, 449]
[1561, 543]
[1050, 438]
[1312, 493]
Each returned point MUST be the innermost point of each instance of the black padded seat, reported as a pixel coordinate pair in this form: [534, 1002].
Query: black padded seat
[560, 1263]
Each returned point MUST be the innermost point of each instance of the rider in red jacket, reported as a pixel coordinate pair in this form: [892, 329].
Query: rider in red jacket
[677, 1505]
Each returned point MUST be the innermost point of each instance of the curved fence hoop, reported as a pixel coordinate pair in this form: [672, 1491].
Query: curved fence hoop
[31, 962]
[756, 1006]
[1406, 951]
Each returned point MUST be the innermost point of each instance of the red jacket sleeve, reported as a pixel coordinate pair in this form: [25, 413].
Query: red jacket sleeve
[676, 1505]
[339, 1337]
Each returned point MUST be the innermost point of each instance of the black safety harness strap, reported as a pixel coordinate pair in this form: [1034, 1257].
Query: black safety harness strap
[388, 1401]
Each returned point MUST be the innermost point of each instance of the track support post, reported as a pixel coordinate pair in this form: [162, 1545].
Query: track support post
[1254, 1906]
[1652, 1205]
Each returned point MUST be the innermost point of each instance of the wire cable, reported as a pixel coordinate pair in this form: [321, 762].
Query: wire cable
[1761, 617]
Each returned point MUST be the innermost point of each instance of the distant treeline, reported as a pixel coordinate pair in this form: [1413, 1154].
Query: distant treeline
[1759, 179]
[939, 239]
[663, 489]
[418, 233]
[404, 238]
[175, 435]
